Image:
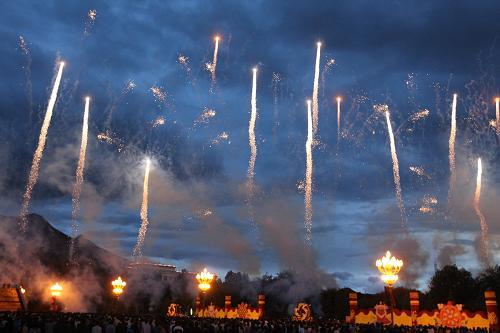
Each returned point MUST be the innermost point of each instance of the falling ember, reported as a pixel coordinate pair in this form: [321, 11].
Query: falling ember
[419, 115]
[428, 204]
[144, 214]
[497, 104]
[451, 144]
[160, 121]
[89, 23]
[419, 171]
[315, 105]
[35, 166]
[23, 45]
[339, 99]
[77, 188]
[224, 136]
[205, 116]
[252, 142]
[482, 219]
[309, 175]
[213, 66]
[395, 165]
[129, 86]
[158, 93]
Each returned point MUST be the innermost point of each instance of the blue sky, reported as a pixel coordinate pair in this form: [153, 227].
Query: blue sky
[409, 55]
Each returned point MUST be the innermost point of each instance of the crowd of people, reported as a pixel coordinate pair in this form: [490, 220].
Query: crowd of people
[24, 322]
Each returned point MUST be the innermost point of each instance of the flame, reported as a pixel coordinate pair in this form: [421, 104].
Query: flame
[56, 290]
[37, 156]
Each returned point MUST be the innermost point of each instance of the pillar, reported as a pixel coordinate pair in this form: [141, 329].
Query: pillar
[414, 306]
[227, 303]
[353, 306]
[492, 310]
[261, 304]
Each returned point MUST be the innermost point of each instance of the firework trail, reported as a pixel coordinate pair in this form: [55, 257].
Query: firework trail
[253, 145]
[395, 166]
[315, 105]
[160, 121]
[419, 171]
[206, 115]
[213, 65]
[309, 175]
[428, 204]
[144, 214]
[276, 81]
[451, 144]
[482, 219]
[223, 136]
[115, 101]
[159, 94]
[77, 188]
[497, 105]
[89, 22]
[37, 156]
[27, 69]
[338, 117]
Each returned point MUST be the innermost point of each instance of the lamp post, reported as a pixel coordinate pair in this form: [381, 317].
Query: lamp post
[205, 279]
[55, 291]
[389, 267]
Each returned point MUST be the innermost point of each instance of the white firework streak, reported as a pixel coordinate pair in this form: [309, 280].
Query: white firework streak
[253, 145]
[482, 220]
[395, 168]
[213, 66]
[37, 156]
[497, 107]
[137, 254]
[315, 104]
[309, 175]
[451, 148]
[77, 188]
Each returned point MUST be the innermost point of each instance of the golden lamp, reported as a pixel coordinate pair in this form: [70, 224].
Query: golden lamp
[118, 286]
[204, 279]
[389, 267]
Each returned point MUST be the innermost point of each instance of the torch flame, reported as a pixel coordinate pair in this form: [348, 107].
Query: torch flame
[118, 286]
[56, 290]
[389, 266]
[204, 279]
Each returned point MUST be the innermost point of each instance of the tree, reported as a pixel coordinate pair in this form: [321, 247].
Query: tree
[453, 284]
[489, 279]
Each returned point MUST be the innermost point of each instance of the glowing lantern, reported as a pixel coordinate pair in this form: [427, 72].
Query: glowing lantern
[204, 279]
[389, 266]
[118, 286]
[56, 290]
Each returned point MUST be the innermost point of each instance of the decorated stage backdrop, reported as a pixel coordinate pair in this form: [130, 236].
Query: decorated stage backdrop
[447, 315]
[241, 311]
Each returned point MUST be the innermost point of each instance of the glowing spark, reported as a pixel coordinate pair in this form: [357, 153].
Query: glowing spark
[497, 103]
[213, 66]
[451, 143]
[252, 142]
[315, 105]
[107, 138]
[395, 166]
[309, 175]
[35, 166]
[23, 45]
[428, 204]
[77, 188]
[205, 116]
[339, 99]
[158, 93]
[482, 219]
[419, 115]
[144, 214]
[91, 16]
[160, 121]
[419, 171]
[129, 86]
[224, 136]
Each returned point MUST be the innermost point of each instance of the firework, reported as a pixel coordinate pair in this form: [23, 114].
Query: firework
[77, 188]
[315, 105]
[482, 219]
[419, 171]
[339, 99]
[223, 136]
[108, 138]
[309, 175]
[129, 86]
[451, 147]
[144, 214]
[213, 65]
[419, 115]
[497, 106]
[395, 165]
[276, 81]
[160, 121]
[252, 143]
[428, 204]
[27, 70]
[206, 115]
[37, 156]
[159, 94]
[89, 22]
